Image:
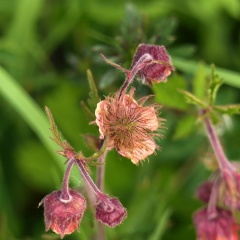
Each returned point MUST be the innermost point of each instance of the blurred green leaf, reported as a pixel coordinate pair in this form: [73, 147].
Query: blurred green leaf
[192, 99]
[215, 83]
[190, 66]
[200, 82]
[33, 162]
[228, 109]
[107, 79]
[162, 225]
[185, 126]
[93, 97]
[167, 94]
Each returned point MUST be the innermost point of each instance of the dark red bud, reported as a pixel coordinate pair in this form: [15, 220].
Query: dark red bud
[110, 211]
[158, 69]
[204, 191]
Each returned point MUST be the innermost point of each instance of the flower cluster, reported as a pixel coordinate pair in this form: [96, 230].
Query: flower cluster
[124, 124]
[221, 194]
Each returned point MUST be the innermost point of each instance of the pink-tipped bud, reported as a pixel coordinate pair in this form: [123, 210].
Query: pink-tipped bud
[204, 191]
[158, 68]
[221, 227]
[110, 211]
[63, 216]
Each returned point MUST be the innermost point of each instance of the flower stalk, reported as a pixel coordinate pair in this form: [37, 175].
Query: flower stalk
[223, 162]
[65, 196]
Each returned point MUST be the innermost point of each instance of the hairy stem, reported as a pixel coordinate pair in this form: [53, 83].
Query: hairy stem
[217, 147]
[65, 196]
[100, 183]
[88, 178]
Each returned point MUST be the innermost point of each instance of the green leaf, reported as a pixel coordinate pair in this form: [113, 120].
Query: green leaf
[107, 79]
[215, 83]
[167, 94]
[192, 99]
[199, 82]
[34, 116]
[230, 77]
[161, 226]
[185, 127]
[34, 164]
[228, 109]
[93, 97]
[93, 94]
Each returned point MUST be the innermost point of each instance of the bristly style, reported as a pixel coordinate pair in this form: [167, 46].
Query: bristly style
[129, 125]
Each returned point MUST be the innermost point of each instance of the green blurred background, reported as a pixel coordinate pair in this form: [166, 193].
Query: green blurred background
[46, 48]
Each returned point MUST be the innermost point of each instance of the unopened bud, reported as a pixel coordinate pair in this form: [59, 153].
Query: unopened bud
[158, 69]
[110, 211]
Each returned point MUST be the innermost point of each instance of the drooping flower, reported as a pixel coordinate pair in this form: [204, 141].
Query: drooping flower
[129, 125]
[155, 67]
[221, 227]
[110, 211]
[63, 216]
[230, 188]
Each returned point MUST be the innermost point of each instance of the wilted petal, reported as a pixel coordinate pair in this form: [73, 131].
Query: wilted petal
[63, 217]
[129, 125]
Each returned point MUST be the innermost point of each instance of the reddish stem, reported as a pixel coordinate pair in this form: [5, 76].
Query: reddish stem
[65, 195]
[217, 147]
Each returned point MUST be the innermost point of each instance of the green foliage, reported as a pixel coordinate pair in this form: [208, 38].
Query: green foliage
[93, 97]
[168, 95]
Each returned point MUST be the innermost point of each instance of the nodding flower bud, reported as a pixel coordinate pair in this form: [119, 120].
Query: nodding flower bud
[221, 227]
[110, 211]
[63, 216]
[156, 70]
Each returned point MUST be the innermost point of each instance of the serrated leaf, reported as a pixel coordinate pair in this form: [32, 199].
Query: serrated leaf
[56, 135]
[93, 94]
[192, 99]
[215, 83]
[228, 109]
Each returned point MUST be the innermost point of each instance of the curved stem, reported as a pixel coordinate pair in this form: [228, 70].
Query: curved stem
[143, 61]
[216, 145]
[101, 172]
[65, 195]
[100, 152]
[88, 178]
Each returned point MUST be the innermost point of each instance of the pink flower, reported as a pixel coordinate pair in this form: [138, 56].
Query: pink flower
[63, 216]
[221, 227]
[152, 63]
[230, 188]
[110, 211]
[129, 126]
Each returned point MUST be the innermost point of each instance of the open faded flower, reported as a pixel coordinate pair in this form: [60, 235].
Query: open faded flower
[63, 216]
[129, 125]
[152, 63]
[221, 227]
